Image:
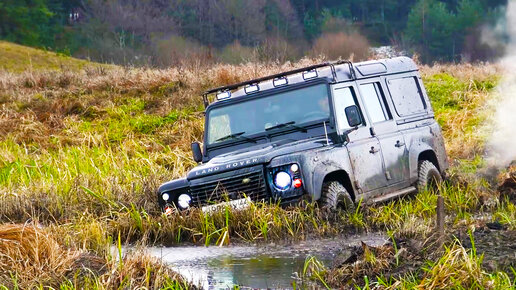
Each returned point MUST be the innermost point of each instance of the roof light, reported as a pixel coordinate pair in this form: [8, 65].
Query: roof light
[281, 81]
[309, 74]
[223, 95]
[251, 89]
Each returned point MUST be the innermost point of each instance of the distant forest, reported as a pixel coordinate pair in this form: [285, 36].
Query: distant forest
[168, 32]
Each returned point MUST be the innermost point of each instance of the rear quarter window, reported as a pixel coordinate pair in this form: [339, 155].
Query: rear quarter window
[406, 96]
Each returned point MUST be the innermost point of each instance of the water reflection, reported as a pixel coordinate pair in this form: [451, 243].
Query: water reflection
[270, 266]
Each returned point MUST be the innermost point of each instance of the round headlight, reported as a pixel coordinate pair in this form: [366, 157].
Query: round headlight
[282, 180]
[183, 201]
[165, 196]
[294, 167]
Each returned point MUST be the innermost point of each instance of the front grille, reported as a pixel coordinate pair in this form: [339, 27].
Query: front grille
[250, 184]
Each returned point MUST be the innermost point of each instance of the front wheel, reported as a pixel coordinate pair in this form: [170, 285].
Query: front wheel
[335, 197]
[428, 176]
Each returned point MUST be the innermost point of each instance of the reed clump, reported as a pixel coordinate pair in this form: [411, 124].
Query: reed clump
[365, 261]
[32, 257]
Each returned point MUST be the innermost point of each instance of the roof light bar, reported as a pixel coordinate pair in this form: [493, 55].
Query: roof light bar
[223, 95]
[253, 88]
[279, 82]
[309, 74]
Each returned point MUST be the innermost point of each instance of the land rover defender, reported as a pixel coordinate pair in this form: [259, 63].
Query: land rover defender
[334, 132]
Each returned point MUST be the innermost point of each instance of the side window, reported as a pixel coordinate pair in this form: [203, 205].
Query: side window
[374, 100]
[343, 98]
[406, 96]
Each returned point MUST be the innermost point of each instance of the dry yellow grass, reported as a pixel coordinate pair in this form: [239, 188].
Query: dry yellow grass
[37, 104]
[31, 257]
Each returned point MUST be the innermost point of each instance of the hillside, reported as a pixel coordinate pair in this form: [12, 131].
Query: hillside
[18, 58]
[83, 149]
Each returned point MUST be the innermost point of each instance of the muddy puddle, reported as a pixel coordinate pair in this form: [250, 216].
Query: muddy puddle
[269, 266]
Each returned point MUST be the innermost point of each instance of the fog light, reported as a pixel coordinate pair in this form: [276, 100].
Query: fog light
[294, 168]
[282, 180]
[165, 196]
[183, 201]
[297, 183]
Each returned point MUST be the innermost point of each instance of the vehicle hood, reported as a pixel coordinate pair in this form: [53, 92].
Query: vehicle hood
[257, 154]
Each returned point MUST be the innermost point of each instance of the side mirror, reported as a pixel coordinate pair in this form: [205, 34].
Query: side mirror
[353, 116]
[197, 153]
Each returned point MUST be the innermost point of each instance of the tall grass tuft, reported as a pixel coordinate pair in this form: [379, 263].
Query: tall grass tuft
[31, 257]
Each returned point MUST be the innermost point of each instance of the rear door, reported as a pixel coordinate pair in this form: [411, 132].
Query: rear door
[364, 149]
[384, 127]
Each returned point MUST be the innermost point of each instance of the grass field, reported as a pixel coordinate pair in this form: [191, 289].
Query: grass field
[84, 147]
[17, 58]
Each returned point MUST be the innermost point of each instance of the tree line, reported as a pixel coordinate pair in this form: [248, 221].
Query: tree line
[164, 32]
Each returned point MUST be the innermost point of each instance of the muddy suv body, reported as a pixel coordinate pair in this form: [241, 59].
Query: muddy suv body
[334, 132]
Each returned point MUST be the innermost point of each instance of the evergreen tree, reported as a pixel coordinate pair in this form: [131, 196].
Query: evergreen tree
[26, 22]
[430, 27]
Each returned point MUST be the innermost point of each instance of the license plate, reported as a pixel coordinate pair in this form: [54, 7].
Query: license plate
[237, 204]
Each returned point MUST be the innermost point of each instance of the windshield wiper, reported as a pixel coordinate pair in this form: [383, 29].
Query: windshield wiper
[236, 136]
[287, 124]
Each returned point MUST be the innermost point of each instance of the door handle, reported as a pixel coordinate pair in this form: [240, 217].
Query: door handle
[399, 144]
[373, 151]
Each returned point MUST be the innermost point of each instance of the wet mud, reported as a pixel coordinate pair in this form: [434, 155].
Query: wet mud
[497, 245]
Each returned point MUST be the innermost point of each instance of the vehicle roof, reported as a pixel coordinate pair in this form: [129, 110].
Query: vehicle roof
[361, 70]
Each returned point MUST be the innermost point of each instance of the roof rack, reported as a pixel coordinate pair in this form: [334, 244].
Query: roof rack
[279, 75]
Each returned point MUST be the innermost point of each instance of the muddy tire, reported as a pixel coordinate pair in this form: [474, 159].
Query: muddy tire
[428, 176]
[335, 197]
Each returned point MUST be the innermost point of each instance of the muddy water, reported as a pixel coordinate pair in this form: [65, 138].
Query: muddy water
[270, 266]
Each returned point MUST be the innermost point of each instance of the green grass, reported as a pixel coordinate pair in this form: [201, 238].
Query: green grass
[18, 58]
[461, 108]
[506, 214]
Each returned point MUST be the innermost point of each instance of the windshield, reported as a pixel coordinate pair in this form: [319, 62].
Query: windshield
[255, 116]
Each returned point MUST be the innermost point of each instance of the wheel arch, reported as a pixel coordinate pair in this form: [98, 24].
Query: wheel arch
[429, 155]
[343, 177]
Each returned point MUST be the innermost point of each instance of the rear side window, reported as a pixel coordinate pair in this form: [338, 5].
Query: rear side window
[374, 100]
[406, 96]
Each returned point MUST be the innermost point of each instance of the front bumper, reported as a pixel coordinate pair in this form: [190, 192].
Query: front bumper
[253, 183]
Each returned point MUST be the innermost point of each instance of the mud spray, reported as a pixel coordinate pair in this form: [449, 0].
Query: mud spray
[501, 145]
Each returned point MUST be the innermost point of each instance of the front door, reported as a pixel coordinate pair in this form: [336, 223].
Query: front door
[366, 158]
[364, 149]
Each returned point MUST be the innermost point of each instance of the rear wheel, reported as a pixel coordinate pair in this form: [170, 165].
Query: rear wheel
[335, 197]
[429, 176]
